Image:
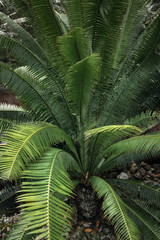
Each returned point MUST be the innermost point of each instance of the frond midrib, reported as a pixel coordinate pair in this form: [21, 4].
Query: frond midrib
[119, 209]
[35, 90]
[48, 191]
[141, 219]
[133, 200]
[9, 174]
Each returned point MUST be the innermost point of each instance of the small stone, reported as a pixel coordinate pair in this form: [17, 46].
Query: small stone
[147, 167]
[129, 174]
[88, 235]
[78, 234]
[84, 238]
[3, 235]
[8, 229]
[87, 224]
[143, 164]
[142, 171]
[156, 179]
[149, 173]
[103, 237]
[106, 230]
[138, 175]
[123, 175]
[100, 229]
[133, 168]
[148, 176]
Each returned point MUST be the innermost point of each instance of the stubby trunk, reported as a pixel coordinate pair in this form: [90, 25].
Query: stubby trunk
[88, 204]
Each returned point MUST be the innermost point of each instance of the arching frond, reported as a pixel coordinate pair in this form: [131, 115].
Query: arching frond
[19, 232]
[25, 143]
[127, 98]
[46, 24]
[140, 144]
[74, 46]
[5, 124]
[148, 226]
[11, 114]
[74, 13]
[24, 36]
[114, 209]
[29, 93]
[81, 79]
[50, 79]
[43, 208]
[146, 192]
[152, 212]
[144, 120]
[98, 139]
[21, 6]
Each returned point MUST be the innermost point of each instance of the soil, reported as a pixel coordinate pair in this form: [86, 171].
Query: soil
[8, 97]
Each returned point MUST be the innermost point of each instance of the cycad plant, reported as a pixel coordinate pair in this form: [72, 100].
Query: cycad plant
[87, 80]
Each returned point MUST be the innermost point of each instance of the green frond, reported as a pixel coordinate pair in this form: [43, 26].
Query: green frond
[146, 43]
[121, 18]
[144, 120]
[45, 23]
[19, 231]
[5, 124]
[74, 46]
[127, 97]
[149, 228]
[146, 192]
[21, 7]
[99, 139]
[29, 93]
[24, 36]
[6, 195]
[50, 79]
[11, 114]
[113, 208]
[25, 143]
[43, 208]
[74, 13]
[152, 212]
[134, 145]
[81, 79]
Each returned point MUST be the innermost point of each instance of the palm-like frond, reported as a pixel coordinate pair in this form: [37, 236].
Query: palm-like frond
[81, 79]
[103, 71]
[113, 208]
[144, 120]
[25, 37]
[148, 226]
[98, 139]
[153, 211]
[134, 145]
[74, 46]
[10, 115]
[41, 10]
[44, 208]
[50, 79]
[27, 142]
[136, 88]
[19, 232]
[5, 124]
[144, 191]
